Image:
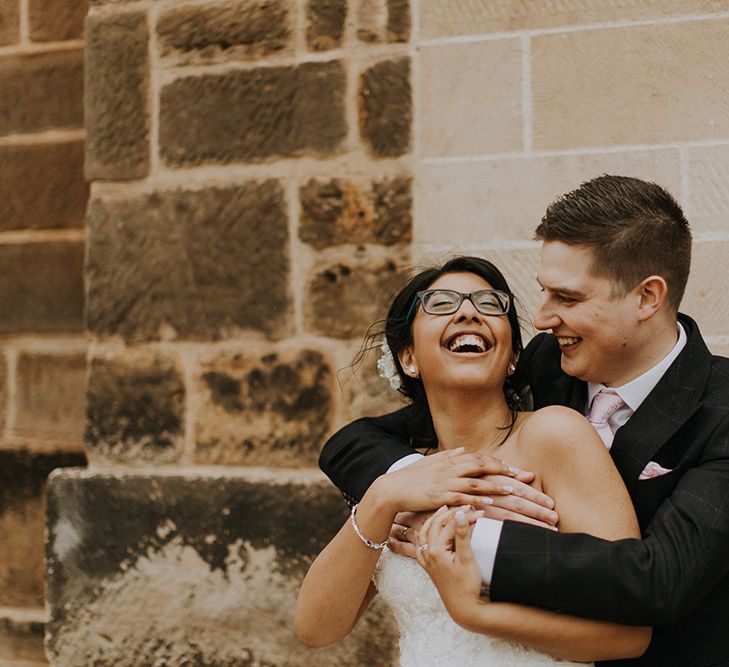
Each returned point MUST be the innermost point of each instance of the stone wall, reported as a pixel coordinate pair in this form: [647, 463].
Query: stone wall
[261, 171]
[42, 347]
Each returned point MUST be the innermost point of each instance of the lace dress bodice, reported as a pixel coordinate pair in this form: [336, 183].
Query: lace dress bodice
[428, 635]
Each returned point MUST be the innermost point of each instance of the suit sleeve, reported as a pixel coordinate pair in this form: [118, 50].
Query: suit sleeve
[654, 581]
[363, 450]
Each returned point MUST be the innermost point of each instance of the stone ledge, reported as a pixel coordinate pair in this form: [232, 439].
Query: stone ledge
[199, 567]
[21, 637]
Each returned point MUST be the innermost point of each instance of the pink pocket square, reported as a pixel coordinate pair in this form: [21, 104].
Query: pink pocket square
[653, 470]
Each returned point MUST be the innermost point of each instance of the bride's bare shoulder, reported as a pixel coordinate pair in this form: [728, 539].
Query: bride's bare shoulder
[558, 426]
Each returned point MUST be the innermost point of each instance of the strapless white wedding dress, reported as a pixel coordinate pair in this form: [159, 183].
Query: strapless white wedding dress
[428, 635]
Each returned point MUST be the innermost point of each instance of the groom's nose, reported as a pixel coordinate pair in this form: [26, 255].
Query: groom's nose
[545, 317]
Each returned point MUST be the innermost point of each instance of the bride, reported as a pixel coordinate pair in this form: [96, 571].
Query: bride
[455, 334]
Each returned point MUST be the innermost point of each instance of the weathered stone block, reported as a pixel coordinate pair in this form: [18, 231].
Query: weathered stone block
[192, 570]
[385, 107]
[325, 24]
[272, 409]
[56, 21]
[440, 19]
[9, 22]
[41, 91]
[50, 396]
[707, 206]
[344, 297]
[135, 408]
[631, 85]
[467, 108]
[241, 29]
[489, 201]
[192, 263]
[706, 297]
[41, 286]
[383, 20]
[365, 392]
[343, 211]
[253, 114]
[117, 96]
[42, 186]
[22, 485]
[21, 638]
[3, 392]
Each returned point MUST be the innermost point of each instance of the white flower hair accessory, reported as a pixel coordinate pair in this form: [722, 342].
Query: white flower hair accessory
[387, 368]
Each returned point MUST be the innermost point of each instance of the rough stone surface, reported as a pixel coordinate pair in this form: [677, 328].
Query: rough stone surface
[272, 409]
[492, 200]
[383, 21]
[706, 297]
[467, 108]
[344, 297]
[398, 20]
[707, 208]
[366, 394]
[117, 97]
[441, 19]
[242, 29]
[41, 91]
[385, 108]
[135, 409]
[22, 491]
[631, 85]
[41, 286]
[344, 211]
[253, 114]
[57, 20]
[3, 392]
[9, 22]
[189, 263]
[21, 639]
[194, 570]
[325, 24]
[42, 186]
[50, 396]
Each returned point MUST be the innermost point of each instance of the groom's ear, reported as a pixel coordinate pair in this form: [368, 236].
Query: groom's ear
[652, 292]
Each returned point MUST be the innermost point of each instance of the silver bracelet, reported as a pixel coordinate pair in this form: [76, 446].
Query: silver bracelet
[369, 543]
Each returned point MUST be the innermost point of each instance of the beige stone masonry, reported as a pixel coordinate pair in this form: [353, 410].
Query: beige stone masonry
[470, 98]
[707, 176]
[633, 85]
[441, 18]
[706, 293]
[492, 201]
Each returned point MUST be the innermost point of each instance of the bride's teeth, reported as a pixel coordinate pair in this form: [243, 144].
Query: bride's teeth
[565, 340]
[470, 340]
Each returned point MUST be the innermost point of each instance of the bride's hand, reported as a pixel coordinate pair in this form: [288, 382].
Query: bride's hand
[446, 478]
[444, 551]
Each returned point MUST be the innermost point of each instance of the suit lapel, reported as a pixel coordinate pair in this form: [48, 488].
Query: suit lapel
[671, 403]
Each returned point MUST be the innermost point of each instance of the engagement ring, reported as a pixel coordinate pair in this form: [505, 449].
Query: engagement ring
[422, 548]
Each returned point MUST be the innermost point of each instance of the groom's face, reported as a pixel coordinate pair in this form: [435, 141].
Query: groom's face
[594, 325]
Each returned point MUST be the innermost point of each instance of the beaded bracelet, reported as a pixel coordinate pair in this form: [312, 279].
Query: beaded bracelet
[369, 543]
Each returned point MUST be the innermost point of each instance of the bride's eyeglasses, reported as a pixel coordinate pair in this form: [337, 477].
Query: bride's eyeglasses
[447, 302]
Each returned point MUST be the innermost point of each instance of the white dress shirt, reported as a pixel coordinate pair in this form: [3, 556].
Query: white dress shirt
[487, 532]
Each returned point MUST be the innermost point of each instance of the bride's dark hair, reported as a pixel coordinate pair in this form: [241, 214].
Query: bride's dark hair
[398, 328]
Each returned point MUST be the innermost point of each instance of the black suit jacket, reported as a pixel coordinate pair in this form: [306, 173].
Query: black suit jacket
[676, 578]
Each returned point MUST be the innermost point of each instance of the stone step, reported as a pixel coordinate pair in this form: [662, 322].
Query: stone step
[196, 567]
[21, 637]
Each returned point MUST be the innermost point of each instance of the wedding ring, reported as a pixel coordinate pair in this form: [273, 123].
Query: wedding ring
[422, 548]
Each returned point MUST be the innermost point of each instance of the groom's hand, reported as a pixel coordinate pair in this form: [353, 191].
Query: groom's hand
[524, 503]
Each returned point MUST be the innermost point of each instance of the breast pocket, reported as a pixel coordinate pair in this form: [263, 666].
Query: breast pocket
[649, 494]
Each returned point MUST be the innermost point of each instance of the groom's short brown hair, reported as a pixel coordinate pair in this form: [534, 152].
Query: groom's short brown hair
[634, 228]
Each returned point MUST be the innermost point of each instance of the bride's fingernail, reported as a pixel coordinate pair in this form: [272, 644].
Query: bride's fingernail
[442, 509]
[486, 500]
[460, 518]
[507, 488]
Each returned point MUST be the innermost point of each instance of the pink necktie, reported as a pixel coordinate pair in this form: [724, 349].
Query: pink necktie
[604, 405]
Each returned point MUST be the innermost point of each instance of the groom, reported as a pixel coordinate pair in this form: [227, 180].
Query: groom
[613, 268]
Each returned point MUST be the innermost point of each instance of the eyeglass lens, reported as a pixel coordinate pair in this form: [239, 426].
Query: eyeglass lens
[446, 302]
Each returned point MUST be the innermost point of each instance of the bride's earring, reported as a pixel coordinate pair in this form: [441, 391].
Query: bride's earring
[511, 369]
[413, 370]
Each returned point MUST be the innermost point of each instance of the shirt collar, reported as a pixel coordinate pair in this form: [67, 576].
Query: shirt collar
[637, 390]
